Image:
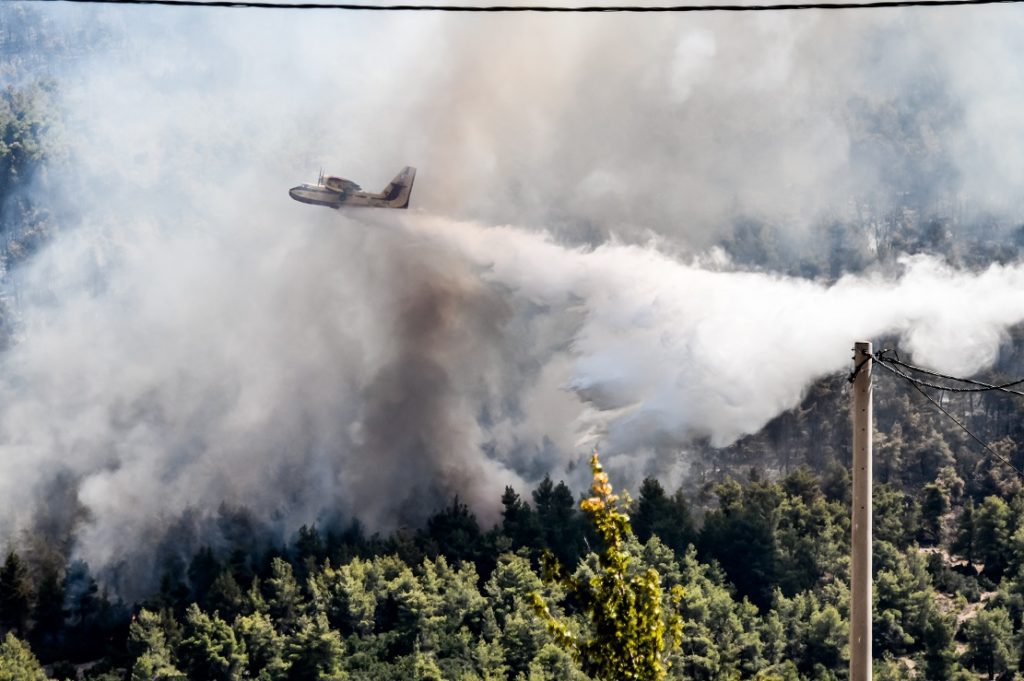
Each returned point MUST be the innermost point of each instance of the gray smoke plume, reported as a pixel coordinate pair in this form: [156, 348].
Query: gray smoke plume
[193, 340]
[417, 432]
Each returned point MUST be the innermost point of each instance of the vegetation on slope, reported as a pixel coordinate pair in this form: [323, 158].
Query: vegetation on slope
[758, 592]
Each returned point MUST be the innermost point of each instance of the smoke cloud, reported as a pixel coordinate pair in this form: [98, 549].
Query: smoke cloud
[192, 338]
[687, 350]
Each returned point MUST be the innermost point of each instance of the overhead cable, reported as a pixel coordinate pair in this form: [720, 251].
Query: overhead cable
[914, 382]
[982, 387]
[260, 4]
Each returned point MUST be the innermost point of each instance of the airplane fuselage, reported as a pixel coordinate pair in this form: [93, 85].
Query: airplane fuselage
[322, 196]
[335, 192]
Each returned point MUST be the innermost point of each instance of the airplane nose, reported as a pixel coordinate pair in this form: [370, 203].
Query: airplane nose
[317, 197]
[298, 194]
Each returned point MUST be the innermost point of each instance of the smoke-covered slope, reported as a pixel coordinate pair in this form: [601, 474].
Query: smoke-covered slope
[591, 259]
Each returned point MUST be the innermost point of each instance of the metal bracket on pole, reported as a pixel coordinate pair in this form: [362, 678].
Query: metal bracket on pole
[860, 558]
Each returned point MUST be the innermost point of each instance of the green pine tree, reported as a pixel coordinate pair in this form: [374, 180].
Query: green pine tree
[15, 594]
[17, 663]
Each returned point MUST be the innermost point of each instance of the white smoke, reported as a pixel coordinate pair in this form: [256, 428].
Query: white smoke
[193, 337]
[672, 347]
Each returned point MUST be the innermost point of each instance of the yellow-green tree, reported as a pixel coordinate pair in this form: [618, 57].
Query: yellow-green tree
[17, 663]
[630, 634]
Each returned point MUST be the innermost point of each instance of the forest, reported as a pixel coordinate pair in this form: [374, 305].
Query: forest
[740, 573]
[755, 570]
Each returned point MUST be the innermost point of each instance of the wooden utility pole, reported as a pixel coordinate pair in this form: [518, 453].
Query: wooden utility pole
[860, 559]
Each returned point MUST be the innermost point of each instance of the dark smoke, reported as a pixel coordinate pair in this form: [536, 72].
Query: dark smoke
[417, 436]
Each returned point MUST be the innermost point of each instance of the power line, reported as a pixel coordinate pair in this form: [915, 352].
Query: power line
[259, 4]
[914, 382]
[984, 387]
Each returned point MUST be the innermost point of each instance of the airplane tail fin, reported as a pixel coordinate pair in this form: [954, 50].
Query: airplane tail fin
[399, 189]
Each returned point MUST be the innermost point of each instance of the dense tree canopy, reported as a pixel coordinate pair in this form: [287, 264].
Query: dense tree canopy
[758, 590]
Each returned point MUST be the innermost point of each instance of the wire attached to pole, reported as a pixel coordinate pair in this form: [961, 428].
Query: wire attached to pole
[982, 386]
[914, 382]
[856, 370]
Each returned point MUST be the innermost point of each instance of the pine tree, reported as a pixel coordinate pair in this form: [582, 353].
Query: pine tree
[315, 651]
[264, 646]
[742, 536]
[15, 594]
[284, 597]
[559, 521]
[964, 543]
[666, 517]
[308, 544]
[202, 572]
[992, 522]
[308, 552]
[17, 663]
[519, 521]
[153, 656]
[454, 533]
[49, 612]
[81, 590]
[989, 642]
[225, 597]
[210, 650]
[939, 651]
[508, 591]
[934, 506]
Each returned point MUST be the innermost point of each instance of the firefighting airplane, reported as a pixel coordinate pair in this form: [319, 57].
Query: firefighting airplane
[336, 192]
